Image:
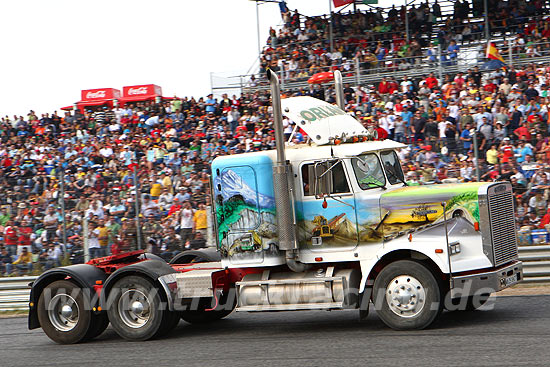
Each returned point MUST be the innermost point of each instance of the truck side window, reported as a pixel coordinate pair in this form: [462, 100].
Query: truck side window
[305, 179]
[339, 179]
[392, 167]
[368, 171]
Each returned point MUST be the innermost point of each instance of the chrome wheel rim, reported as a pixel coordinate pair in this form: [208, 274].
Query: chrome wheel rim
[63, 312]
[134, 308]
[406, 296]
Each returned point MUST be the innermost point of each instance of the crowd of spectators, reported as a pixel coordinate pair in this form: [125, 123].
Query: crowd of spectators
[169, 146]
[98, 154]
[377, 39]
[95, 157]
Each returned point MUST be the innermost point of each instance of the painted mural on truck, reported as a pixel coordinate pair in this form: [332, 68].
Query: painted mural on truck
[247, 223]
[339, 225]
[384, 216]
[410, 208]
[245, 210]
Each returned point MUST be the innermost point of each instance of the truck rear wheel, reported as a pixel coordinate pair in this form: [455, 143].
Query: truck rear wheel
[136, 309]
[407, 296]
[64, 313]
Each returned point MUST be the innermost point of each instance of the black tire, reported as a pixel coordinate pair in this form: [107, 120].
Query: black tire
[407, 296]
[169, 323]
[73, 328]
[196, 256]
[139, 325]
[98, 325]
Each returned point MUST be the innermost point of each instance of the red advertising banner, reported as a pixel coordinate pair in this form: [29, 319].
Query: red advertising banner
[100, 94]
[144, 91]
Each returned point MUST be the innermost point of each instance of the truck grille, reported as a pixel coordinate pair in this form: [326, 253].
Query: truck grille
[503, 225]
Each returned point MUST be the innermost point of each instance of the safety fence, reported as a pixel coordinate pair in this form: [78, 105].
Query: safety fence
[14, 291]
[362, 72]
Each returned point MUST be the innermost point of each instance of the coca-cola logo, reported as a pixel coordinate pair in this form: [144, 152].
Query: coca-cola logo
[98, 94]
[136, 91]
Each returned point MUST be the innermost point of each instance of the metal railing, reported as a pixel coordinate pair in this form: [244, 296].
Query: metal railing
[536, 263]
[396, 67]
[14, 291]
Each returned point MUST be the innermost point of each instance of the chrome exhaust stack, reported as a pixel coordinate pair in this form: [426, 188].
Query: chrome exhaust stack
[282, 184]
[339, 88]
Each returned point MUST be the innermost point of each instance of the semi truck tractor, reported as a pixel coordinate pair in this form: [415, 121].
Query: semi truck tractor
[329, 224]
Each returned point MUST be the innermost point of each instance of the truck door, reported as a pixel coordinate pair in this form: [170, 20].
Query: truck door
[238, 214]
[327, 223]
[368, 182]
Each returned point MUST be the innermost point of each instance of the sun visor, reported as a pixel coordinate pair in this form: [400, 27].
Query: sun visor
[322, 121]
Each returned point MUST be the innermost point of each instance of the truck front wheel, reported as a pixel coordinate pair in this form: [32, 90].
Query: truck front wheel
[407, 296]
[136, 309]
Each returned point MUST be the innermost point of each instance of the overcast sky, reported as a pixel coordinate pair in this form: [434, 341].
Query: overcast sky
[53, 49]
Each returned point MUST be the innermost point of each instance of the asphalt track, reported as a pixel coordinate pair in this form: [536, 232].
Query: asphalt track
[516, 332]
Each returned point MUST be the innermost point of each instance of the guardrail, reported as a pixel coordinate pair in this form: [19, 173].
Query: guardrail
[536, 263]
[14, 291]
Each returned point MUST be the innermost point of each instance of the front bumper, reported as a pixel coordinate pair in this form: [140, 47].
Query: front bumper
[487, 282]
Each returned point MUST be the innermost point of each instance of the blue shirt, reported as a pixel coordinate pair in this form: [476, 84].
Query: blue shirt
[211, 108]
[453, 51]
[407, 116]
[522, 153]
[466, 135]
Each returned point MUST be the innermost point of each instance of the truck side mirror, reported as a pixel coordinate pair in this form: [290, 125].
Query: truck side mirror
[321, 175]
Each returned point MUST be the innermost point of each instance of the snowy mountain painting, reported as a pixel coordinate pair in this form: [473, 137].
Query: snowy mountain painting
[233, 185]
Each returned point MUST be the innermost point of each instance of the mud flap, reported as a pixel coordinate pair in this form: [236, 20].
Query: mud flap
[364, 303]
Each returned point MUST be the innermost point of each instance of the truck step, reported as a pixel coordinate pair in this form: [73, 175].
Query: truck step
[195, 283]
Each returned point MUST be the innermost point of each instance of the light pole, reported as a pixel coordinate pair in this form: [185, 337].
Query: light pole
[486, 10]
[61, 198]
[137, 206]
[330, 25]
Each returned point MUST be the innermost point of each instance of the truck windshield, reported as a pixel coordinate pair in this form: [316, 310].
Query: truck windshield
[392, 167]
[368, 171]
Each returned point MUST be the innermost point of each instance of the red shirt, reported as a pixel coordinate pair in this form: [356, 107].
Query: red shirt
[10, 236]
[392, 87]
[507, 153]
[523, 133]
[382, 133]
[24, 236]
[431, 82]
[383, 88]
[490, 87]
[174, 208]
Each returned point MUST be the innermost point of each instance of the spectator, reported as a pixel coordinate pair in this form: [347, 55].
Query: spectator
[51, 257]
[23, 264]
[6, 266]
[10, 237]
[93, 241]
[186, 222]
[199, 220]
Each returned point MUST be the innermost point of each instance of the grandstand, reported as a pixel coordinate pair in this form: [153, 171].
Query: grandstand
[413, 47]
